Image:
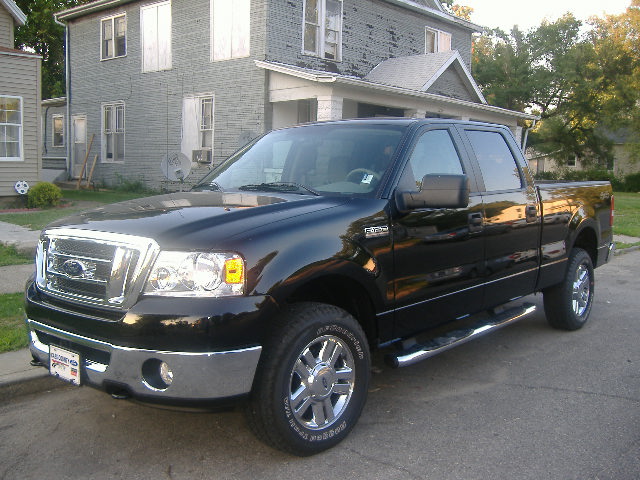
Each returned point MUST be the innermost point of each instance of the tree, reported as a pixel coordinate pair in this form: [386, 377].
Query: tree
[457, 10]
[42, 35]
[579, 86]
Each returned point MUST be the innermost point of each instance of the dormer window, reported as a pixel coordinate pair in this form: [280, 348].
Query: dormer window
[436, 41]
[323, 28]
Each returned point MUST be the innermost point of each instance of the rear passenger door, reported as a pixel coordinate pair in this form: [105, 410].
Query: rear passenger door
[510, 211]
[437, 251]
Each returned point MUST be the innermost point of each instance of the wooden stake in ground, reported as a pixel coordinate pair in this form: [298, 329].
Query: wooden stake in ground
[84, 165]
[95, 159]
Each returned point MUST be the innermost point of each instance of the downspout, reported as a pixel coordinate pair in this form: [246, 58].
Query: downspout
[67, 79]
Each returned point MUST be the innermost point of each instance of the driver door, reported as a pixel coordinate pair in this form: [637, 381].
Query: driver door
[438, 252]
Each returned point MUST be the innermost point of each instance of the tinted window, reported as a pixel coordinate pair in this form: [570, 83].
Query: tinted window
[498, 167]
[434, 152]
[341, 158]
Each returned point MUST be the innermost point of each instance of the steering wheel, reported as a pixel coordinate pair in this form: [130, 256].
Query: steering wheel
[357, 175]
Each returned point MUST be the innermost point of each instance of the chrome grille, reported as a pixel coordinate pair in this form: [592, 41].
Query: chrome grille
[96, 268]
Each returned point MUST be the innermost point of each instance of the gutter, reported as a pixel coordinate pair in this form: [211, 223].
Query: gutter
[67, 79]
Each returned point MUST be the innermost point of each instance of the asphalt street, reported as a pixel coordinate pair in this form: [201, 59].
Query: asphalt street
[526, 402]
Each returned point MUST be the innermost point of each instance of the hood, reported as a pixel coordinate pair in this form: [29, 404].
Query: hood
[196, 219]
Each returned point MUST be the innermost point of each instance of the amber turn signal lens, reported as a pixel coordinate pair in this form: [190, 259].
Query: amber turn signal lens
[234, 271]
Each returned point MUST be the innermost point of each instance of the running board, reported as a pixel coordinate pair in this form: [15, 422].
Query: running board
[419, 352]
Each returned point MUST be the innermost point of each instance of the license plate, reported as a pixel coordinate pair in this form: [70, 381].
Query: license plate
[64, 364]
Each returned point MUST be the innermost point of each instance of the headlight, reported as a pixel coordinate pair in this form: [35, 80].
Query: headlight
[196, 274]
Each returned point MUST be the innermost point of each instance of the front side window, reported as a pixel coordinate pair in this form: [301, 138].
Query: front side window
[433, 153]
[113, 132]
[323, 28]
[155, 23]
[230, 29]
[10, 128]
[436, 41]
[57, 137]
[114, 37]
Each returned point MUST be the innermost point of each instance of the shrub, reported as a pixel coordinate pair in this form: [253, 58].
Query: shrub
[43, 194]
[632, 182]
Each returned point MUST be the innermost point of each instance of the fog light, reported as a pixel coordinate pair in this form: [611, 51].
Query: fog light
[166, 374]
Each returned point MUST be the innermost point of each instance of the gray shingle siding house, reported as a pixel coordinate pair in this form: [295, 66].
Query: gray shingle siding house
[149, 79]
[19, 106]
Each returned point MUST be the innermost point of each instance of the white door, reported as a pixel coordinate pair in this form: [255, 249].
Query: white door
[79, 144]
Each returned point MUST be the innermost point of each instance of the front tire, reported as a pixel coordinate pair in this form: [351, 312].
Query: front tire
[568, 304]
[312, 381]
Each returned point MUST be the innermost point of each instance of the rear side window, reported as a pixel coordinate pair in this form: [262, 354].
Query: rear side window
[499, 169]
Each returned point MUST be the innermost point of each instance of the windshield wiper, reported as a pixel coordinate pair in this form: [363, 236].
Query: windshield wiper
[213, 186]
[279, 187]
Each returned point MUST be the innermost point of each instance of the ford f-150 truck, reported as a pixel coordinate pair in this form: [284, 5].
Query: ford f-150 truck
[274, 277]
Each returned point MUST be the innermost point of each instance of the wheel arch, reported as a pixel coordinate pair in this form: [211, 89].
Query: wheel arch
[340, 291]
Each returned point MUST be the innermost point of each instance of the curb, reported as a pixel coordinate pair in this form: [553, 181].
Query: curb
[18, 378]
[624, 251]
[28, 386]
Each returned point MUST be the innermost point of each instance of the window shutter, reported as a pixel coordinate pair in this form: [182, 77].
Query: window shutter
[190, 126]
[149, 20]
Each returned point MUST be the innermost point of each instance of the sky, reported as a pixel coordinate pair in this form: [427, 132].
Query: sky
[530, 13]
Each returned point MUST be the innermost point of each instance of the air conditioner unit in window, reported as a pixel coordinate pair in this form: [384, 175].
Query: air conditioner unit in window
[201, 156]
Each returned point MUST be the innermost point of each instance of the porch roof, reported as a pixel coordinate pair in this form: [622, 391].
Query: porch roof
[323, 77]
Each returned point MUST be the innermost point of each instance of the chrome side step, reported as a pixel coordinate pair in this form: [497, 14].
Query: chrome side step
[419, 352]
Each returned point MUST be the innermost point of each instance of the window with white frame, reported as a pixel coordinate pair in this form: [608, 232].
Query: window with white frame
[436, 41]
[230, 29]
[197, 127]
[10, 129]
[113, 132]
[57, 134]
[155, 27]
[113, 37]
[322, 33]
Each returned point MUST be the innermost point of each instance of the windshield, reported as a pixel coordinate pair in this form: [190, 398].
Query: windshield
[330, 159]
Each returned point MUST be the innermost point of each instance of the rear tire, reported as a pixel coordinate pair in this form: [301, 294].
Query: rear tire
[312, 380]
[568, 304]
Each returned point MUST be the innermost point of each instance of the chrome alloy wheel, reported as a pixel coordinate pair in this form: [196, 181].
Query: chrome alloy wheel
[581, 291]
[322, 382]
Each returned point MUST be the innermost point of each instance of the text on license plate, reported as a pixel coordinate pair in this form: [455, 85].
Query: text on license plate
[64, 364]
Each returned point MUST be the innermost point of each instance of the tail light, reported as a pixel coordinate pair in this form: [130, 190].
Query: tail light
[611, 212]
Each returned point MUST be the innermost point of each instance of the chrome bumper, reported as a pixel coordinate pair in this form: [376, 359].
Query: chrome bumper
[196, 376]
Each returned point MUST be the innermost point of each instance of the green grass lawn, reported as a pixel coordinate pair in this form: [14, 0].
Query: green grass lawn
[627, 216]
[77, 201]
[9, 256]
[13, 331]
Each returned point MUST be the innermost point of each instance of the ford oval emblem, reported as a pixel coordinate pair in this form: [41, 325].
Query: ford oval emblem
[74, 268]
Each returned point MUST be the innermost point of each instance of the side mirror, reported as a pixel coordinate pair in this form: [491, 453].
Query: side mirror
[438, 191]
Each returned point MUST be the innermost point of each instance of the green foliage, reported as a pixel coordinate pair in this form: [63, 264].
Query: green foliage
[584, 82]
[43, 194]
[45, 37]
[130, 185]
[632, 183]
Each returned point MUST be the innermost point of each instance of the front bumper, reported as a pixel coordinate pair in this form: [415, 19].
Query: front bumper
[197, 377]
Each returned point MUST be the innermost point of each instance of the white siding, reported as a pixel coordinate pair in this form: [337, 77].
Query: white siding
[6, 28]
[24, 81]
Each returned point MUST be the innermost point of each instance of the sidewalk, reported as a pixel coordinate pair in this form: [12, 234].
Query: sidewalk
[17, 376]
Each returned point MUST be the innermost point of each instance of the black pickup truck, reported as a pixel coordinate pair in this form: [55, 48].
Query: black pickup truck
[274, 277]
